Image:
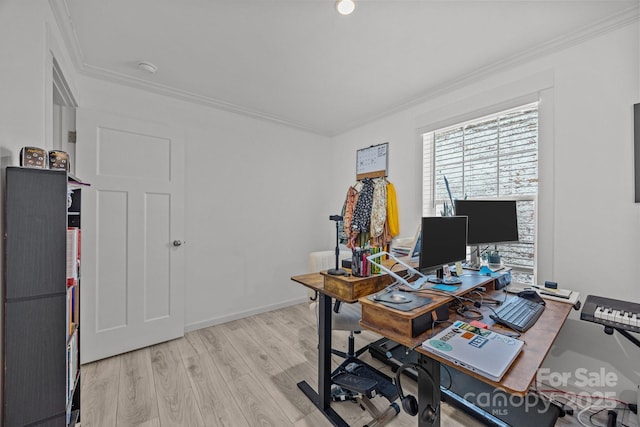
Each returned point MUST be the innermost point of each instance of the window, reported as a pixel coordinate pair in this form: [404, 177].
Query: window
[490, 157]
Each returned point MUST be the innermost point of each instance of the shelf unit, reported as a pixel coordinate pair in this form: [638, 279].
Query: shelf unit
[40, 320]
[74, 239]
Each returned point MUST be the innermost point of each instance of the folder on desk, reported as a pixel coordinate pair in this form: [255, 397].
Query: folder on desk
[482, 351]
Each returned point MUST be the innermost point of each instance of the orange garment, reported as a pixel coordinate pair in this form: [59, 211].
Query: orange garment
[393, 221]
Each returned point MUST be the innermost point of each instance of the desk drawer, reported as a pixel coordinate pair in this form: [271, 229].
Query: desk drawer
[399, 323]
[352, 288]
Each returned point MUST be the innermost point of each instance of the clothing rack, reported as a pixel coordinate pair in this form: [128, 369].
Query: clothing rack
[371, 167]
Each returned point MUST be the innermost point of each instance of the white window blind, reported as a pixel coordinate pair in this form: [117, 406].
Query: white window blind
[490, 157]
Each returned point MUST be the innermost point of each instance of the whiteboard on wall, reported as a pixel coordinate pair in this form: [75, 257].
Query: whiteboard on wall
[373, 161]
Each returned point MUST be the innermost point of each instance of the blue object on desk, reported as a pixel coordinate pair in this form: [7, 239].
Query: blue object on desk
[443, 287]
[486, 271]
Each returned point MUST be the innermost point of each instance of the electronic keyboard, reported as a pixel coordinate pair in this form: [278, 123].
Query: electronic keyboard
[610, 312]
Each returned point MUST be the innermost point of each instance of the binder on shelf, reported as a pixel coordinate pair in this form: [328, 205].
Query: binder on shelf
[72, 365]
[73, 255]
[75, 306]
[73, 309]
[69, 321]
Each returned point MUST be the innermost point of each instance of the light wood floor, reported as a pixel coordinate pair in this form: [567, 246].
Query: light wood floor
[241, 373]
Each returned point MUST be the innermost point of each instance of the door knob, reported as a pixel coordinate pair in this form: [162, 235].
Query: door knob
[177, 243]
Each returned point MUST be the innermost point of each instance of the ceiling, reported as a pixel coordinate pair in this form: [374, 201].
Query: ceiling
[300, 63]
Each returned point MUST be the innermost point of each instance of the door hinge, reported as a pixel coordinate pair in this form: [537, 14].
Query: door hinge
[72, 137]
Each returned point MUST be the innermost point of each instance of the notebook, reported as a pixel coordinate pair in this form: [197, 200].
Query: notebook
[482, 351]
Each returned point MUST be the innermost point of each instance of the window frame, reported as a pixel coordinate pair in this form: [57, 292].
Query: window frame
[430, 205]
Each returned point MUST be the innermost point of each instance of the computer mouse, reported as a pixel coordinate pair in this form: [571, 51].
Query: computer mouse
[531, 295]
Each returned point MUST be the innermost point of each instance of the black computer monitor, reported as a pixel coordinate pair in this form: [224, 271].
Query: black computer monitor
[490, 221]
[444, 241]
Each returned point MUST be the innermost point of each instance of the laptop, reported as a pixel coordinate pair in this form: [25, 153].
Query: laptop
[482, 351]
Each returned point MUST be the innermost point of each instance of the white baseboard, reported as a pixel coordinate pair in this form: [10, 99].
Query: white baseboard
[242, 314]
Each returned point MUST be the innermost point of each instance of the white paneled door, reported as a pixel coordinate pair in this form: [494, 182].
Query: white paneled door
[132, 261]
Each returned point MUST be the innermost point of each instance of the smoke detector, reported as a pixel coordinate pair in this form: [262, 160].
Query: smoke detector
[147, 67]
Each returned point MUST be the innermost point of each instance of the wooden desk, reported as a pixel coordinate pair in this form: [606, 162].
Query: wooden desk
[384, 321]
[405, 325]
[538, 340]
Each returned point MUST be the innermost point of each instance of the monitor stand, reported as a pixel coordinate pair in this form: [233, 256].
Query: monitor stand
[440, 279]
[475, 260]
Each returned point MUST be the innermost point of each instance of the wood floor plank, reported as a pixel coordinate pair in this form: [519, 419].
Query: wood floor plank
[214, 398]
[176, 402]
[137, 403]
[99, 392]
[314, 419]
[191, 344]
[150, 423]
[265, 335]
[295, 329]
[225, 356]
[256, 403]
[263, 362]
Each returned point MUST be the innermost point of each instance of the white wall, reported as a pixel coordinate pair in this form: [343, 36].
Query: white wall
[589, 227]
[254, 197]
[29, 36]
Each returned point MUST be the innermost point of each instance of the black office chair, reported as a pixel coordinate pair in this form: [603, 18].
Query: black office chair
[344, 317]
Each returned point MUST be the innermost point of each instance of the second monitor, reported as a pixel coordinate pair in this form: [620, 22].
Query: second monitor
[444, 241]
[490, 222]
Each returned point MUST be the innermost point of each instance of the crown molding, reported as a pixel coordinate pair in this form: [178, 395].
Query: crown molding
[61, 14]
[65, 23]
[613, 22]
[137, 83]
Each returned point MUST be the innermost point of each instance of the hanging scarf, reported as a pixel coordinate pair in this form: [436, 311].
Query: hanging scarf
[349, 205]
[362, 211]
[382, 240]
[378, 208]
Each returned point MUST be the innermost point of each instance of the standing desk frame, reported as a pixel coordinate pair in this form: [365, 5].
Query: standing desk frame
[384, 321]
[347, 289]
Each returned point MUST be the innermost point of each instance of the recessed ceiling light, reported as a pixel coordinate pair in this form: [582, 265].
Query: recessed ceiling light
[345, 7]
[147, 67]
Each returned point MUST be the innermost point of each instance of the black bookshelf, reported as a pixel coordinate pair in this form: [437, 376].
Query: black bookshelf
[35, 299]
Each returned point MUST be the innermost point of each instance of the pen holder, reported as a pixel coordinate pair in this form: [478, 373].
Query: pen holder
[360, 266]
[493, 258]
